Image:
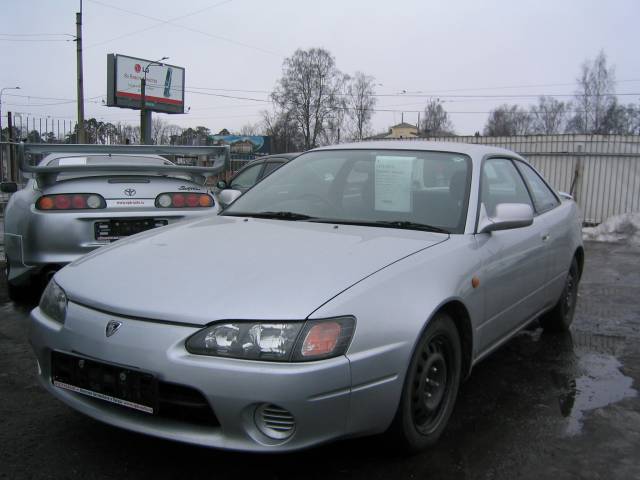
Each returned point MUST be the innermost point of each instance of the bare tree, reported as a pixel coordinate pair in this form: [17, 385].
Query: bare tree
[172, 133]
[360, 102]
[250, 129]
[594, 97]
[549, 116]
[128, 133]
[309, 90]
[283, 131]
[158, 127]
[335, 125]
[621, 120]
[508, 120]
[436, 119]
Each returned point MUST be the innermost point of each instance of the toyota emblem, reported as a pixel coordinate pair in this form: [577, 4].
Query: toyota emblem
[112, 327]
[130, 192]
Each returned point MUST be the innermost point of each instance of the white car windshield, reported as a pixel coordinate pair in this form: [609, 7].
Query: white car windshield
[395, 188]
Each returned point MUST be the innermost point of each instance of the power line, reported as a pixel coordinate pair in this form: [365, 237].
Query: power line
[29, 40]
[541, 85]
[36, 34]
[171, 22]
[161, 22]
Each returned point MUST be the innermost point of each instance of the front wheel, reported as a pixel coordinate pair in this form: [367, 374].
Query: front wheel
[431, 386]
[559, 318]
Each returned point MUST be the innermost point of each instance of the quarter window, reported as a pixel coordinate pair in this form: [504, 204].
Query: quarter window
[543, 197]
[501, 183]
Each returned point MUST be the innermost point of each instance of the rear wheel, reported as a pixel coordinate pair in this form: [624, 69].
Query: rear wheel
[560, 317]
[431, 386]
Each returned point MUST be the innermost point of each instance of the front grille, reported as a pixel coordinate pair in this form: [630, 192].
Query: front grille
[184, 404]
[275, 422]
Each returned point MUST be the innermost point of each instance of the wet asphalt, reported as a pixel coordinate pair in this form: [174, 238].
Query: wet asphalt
[543, 406]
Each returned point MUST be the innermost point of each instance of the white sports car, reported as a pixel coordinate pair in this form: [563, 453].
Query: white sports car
[86, 196]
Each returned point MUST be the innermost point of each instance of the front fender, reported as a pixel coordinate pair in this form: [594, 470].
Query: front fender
[392, 308]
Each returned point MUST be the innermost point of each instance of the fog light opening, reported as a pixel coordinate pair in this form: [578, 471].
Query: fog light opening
[274, 422]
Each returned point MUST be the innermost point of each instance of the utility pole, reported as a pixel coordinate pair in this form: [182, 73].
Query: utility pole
[80, 125]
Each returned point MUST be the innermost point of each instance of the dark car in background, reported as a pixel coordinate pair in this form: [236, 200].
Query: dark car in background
[254, 171]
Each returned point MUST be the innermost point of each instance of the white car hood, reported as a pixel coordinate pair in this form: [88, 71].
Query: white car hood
[234, 268]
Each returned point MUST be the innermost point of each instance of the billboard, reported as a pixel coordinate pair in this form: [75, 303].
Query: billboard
[164, 91]
[243, 144]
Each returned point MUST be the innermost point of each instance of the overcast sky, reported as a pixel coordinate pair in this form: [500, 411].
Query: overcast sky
[236, 48]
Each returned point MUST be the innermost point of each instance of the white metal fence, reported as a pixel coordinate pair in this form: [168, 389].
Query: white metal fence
[602, 172]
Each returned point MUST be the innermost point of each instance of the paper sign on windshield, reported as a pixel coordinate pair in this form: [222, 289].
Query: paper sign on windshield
[393, 183]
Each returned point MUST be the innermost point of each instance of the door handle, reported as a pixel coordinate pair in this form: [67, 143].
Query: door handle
[545, 237]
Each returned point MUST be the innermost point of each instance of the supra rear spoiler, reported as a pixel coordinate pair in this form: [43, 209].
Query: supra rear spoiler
[218, 156]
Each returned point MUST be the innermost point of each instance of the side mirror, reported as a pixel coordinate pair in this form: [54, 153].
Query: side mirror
[8, 187]
[507, 216]
[221, 184]
[228, 196]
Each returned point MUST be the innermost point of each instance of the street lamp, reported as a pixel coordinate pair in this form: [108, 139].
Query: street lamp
[145, 119]
[1, 147]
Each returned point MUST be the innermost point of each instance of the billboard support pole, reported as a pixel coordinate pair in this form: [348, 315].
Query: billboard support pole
[143, 112]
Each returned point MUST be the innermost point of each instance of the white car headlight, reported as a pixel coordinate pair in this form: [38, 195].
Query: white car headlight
[284, 341]
[53, 302]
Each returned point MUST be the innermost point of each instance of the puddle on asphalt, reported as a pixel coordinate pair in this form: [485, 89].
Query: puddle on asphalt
[601, 384]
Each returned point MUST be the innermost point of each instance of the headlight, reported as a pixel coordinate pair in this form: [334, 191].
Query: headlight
[53, 302]
[297, 341]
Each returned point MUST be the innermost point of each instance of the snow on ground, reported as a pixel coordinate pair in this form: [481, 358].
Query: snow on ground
[619, 228]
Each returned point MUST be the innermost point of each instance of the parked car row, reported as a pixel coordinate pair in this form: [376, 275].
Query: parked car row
[365, 282]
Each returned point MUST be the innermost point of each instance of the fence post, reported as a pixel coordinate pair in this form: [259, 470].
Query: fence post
[576, 182]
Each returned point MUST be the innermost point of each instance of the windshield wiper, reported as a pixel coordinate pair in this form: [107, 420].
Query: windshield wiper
[386, 224]
[280, 215]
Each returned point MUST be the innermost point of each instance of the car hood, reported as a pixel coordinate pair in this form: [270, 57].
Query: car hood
[234, 268]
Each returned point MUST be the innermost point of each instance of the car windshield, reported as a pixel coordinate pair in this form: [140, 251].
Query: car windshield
[391, 188]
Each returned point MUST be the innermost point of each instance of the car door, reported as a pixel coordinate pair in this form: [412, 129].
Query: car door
[555, 231]
[512, 275]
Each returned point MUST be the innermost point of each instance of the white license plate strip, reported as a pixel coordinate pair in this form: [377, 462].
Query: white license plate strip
[131, 203]
[102, 396]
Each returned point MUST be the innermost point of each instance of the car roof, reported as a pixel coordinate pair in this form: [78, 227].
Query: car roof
[473, 150]
[284, 156]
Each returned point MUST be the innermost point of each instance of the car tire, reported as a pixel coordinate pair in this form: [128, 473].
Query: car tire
[559, 318]
[430, 387]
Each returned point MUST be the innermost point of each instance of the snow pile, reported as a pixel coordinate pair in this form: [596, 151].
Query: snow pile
[619, 228]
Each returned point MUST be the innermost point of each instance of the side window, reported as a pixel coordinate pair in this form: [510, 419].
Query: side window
[270, 167]
[501, 183]
[543, 197]
[247, 178]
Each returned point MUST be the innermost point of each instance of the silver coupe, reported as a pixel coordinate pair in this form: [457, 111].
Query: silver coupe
[347, 294]
[82, 197]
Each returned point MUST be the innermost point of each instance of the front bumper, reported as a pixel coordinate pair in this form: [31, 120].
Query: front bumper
[316, 393]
